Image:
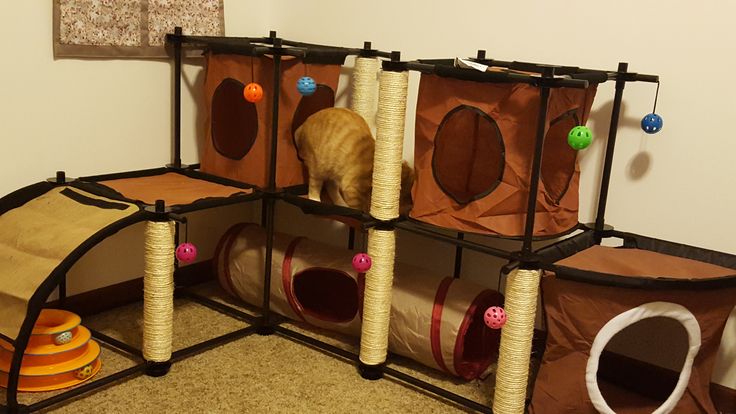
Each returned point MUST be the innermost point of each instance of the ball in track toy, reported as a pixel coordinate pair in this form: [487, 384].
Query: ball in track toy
[63, 338]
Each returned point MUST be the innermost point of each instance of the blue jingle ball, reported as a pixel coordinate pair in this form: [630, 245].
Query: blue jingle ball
[306, 85]
[651, 123]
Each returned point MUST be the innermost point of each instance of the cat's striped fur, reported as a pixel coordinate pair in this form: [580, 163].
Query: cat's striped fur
[337, 148]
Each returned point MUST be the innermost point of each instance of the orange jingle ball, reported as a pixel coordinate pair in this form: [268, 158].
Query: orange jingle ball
[253, 92]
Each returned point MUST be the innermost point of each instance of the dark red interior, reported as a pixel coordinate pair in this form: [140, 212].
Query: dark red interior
[326, 294]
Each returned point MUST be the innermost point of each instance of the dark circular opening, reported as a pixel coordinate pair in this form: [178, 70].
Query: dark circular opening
[234, 120]
[468, 159]
[326, 294]
[640, 365]
[477, 345]
[558, 159]
[323, 97]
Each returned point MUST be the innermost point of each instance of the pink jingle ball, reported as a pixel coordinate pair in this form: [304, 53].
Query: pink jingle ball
[495, 317]
[186, 252]
[361, 262]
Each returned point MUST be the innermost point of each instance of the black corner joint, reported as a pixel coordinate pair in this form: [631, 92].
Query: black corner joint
[481, 55]
[159, 211]
[370, 372]
[367, 51]
[157, 369]
[527, 260]
[395, 64]
[60, 178]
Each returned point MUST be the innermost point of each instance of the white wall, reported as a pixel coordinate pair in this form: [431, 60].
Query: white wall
[98, 116]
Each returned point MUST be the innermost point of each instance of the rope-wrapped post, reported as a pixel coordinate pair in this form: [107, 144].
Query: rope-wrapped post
[512, 375]
[158, 295]
[364, 88]
[384, 206]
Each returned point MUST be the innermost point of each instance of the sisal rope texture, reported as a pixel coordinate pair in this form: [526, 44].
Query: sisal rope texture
[384, 206]
[364, 89]
[158, 291]
[516, 342]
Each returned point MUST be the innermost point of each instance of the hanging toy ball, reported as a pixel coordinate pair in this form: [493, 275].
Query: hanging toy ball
[186, 252]
[63, 338]
[253, 92]
[579, 137]
[306, 85]
[652, 123]
[495, 317]
[361, 262]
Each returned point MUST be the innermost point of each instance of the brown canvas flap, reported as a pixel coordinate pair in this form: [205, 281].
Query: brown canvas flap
[37, 236]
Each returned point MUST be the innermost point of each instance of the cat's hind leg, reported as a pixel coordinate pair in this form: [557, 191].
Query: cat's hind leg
[355, 198]
[315, 188]
[334, 192]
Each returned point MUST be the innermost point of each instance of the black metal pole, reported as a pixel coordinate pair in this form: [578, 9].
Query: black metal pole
[177, 98]
[62, 292]
[536, 163]
[600, 220]
[269, 200]
[458, 256]
[351, 238]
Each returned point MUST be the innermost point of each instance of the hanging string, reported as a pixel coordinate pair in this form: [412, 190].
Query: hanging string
[252, 70]
[656, 95]
[586, 110]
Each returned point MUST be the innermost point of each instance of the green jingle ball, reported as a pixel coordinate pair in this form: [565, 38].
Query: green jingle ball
[579, 137]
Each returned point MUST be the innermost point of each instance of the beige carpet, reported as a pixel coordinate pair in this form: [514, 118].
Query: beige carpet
[255, 374]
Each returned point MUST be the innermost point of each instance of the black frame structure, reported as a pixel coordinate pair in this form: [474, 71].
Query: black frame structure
[545, 77]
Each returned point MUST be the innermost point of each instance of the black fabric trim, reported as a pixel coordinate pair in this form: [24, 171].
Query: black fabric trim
[127, 174]
[323, 209]
[326, 56]
[94, 202]
[574, 114]
[103, 191]
[23, 195]
[660, 283]
[677, 249]
[566, 248]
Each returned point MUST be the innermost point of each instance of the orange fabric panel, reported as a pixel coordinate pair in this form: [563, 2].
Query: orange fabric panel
[642, 263]
[514, 107]
[171, 187]
[253, 167]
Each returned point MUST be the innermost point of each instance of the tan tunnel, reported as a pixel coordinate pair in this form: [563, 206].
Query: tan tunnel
[435, 320]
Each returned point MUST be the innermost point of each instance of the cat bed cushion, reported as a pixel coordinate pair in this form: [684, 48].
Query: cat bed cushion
[173, 188]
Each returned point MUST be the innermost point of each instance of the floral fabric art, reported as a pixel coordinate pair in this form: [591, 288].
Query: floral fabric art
[130, 28]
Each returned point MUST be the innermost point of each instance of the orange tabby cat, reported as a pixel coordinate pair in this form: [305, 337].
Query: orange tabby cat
[337, 147]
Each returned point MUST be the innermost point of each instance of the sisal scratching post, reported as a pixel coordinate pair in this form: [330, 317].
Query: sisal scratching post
[158, 295]
[384, 206]
[364, 89]
[516, 342]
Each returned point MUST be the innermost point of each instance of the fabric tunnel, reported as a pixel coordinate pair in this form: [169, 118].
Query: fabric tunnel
[435, 320]
[239, 133]
[474, 144]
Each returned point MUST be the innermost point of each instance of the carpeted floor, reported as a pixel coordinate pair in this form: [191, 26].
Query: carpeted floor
[255, 374]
